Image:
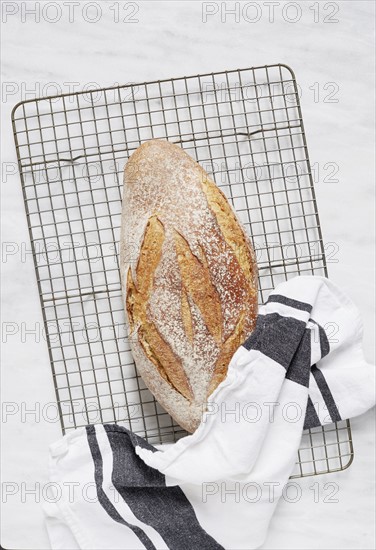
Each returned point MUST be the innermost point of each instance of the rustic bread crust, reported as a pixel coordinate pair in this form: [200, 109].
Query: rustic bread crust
[189, 278]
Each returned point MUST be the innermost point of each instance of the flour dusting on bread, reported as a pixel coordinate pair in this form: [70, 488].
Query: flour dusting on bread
[201, 302]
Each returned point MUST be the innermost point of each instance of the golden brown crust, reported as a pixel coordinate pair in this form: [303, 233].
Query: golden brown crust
[236, 239]
[150, 254]
[191, 289]
[228, 349]
[186, 315]
[231, 230]
[195, 276]
[155, 348]
[167, 362]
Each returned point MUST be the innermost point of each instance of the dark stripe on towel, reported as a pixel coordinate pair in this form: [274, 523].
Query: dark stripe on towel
[143, 488]
[311, 418]
[324, 342]
[326, 393]
[296, 304]
[300, 367]
[277, 337]
[102, 497]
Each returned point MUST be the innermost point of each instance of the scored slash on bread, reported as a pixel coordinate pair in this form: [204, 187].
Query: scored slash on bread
[137, 298]
[191, 288]
[197, 284]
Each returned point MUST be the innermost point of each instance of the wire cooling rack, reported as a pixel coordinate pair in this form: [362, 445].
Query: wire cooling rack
[245, 128]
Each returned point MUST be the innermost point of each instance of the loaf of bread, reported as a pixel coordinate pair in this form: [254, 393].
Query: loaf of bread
[189, 278]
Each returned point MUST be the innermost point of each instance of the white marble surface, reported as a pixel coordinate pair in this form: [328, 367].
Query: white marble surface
[170, 39]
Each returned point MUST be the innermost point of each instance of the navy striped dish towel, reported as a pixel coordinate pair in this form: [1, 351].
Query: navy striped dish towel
[302, 367]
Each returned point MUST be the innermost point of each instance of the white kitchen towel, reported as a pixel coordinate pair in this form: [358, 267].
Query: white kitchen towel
[302, 367]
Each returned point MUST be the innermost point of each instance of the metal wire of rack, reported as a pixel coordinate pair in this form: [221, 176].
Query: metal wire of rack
[245, 128]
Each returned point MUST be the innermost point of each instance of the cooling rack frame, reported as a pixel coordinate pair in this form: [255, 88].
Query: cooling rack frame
[245, 127]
